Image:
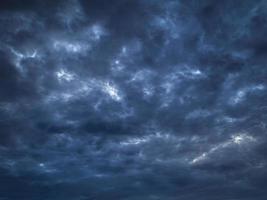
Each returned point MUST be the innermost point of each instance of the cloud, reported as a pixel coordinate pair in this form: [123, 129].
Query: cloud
[133, 99]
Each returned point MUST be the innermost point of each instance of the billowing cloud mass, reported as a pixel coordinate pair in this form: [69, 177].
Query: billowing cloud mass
[133, 100]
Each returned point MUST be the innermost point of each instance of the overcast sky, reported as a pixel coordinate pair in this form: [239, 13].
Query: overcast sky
[133, 100]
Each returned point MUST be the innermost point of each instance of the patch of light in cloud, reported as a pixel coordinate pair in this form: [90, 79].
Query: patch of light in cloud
[97, 32]
[242, 93]
[199, 158]
[242, 138]
[94, 33]
[41, 164]
[112, 91]
[134, 141]
[44, 168]
[191, 73]
[117, 66]
[71, 47]
[19, 56]
[148, 91]
[147, 139]
[64, 75]
[237, 139]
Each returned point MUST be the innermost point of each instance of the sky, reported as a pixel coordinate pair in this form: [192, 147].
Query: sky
[133, 100]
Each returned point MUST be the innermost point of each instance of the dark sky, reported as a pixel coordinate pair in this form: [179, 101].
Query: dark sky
[133, 100]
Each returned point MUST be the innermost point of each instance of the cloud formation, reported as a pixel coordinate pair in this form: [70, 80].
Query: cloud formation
[133, 100]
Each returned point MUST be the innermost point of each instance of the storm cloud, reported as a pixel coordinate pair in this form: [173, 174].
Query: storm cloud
[133, 100]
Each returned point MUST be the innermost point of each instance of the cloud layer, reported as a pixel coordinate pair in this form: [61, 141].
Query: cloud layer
[133, 100]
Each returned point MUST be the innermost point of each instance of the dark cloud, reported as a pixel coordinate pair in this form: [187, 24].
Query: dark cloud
[133, 100]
